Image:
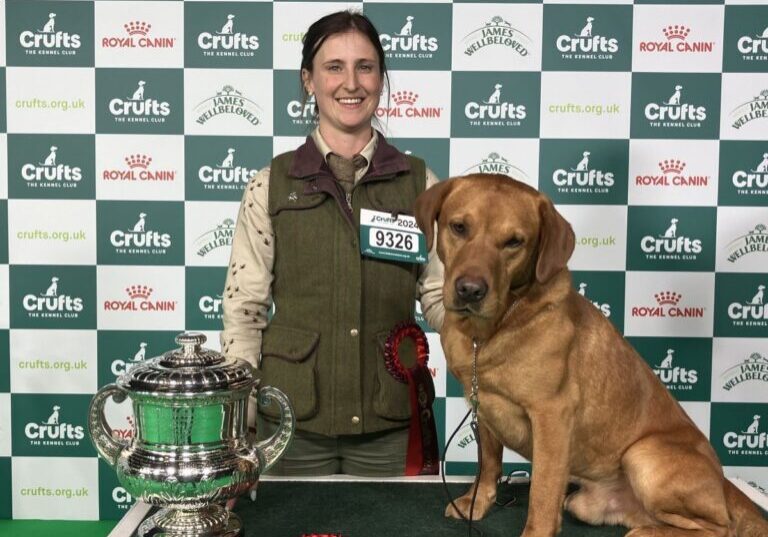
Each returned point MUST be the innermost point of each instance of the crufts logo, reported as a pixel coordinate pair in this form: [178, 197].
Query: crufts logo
[586, 44]
[405, 106]
[139, 300]
[137, 109]
[674, 112]
[583, 178]
[302, 113]
[225, 176]
[750, 313]
[218, 237]
[49, 41]
[676, 378]
[54, 431]
[670, 245]
[138, 37]
[139, 240]
[231, 102]
[671, 175]
[407, 44]
[667, 305]
[51, 304]
[495, 163]
[499, 33]
[210, 306]
[227, 42]
[752, 181]
[676, 40]
[120, 366]
[494, 111]
[754, 47]
[138, 169]
[605, 308]
[754, 241]
[752, 440]
[756, 108]
[752, 368]
[50, 173]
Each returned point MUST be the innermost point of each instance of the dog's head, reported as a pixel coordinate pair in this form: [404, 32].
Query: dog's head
[496, 236]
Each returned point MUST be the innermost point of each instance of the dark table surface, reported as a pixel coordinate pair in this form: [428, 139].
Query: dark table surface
[385, 509]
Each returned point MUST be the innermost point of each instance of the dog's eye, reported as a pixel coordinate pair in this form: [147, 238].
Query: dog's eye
[513, 243]
[458, 228]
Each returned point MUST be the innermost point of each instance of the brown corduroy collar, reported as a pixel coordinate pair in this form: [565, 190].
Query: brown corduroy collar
[309, 162]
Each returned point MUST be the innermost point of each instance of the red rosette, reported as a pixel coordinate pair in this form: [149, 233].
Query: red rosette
[392, 353]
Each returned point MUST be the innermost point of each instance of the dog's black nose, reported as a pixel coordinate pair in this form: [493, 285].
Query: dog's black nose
[470, 289]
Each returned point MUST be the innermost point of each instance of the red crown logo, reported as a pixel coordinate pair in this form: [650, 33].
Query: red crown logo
[137, 27]
[138, 291]
[672, 166]
[138, 161]
[404, 97]
[676, 31]
[667, 297]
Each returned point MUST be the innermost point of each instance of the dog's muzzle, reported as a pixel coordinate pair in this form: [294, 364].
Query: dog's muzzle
[471, 290]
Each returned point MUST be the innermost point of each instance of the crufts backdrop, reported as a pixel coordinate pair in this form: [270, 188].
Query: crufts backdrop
[128, 130]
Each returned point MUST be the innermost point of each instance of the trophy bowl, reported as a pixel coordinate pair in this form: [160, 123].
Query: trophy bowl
[189, 452]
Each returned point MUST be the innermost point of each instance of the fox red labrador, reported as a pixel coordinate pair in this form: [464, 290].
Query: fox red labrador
[558, 384]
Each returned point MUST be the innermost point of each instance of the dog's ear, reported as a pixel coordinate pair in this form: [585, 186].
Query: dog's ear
[428, 206]
[556, 242]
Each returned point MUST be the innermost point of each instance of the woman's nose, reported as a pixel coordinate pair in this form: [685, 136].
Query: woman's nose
[350, 81]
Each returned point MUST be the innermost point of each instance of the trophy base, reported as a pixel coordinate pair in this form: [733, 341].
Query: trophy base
[214, 521]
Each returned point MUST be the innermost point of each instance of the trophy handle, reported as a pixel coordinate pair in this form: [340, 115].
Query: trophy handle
[101, 433]
[270, 450]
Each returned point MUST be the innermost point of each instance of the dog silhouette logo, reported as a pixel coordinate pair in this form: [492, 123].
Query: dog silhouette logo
[139, 226]
[407, 28]
[666, 363]
[53, 419]
[141, 353]
[50, 160]
[763, 166]
[49, 27]
[583, 164]
[671, 231]
[582, 289]
[228, 27]
[758, 298]
[495, 97]
[587, 30]
[675, 99]
[138, 95]
[53, 289]
[229, 160]
[752, 429]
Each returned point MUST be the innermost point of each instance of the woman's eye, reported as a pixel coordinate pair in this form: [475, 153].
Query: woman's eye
[458, 228]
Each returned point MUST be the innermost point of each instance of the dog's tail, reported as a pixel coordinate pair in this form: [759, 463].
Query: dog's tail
[747, 518]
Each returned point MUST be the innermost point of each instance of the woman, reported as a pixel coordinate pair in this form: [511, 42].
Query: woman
[297, 243]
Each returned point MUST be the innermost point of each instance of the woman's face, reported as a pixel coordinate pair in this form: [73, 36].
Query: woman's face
[346, 81]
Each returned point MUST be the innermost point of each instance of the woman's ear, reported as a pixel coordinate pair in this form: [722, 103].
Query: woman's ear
[306, 80]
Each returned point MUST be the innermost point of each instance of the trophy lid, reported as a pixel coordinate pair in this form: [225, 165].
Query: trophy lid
[188, 370]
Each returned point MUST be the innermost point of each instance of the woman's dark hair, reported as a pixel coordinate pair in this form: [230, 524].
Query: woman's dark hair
[339, 23]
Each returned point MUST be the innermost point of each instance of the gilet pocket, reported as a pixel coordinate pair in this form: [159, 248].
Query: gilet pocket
[288, 358]
[391, 398]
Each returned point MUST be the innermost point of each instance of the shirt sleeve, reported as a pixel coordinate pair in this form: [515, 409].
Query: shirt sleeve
[430, 284]
[247, 289]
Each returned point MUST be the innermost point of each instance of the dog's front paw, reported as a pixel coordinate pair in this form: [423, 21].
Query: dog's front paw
[480, 509]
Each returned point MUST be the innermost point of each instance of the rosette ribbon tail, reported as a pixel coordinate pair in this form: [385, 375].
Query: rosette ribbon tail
[423, 457]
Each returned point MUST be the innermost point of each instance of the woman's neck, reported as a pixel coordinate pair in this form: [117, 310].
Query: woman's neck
[347, 144]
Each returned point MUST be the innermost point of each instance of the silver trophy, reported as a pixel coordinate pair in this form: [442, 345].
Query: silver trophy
[189, 452]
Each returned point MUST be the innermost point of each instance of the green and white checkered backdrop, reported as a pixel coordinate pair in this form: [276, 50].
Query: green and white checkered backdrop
[129, 129]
